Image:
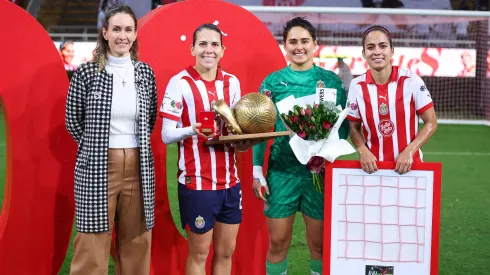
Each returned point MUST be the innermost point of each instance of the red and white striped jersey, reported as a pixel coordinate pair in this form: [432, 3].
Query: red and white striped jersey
[201, 167]
[389, 112]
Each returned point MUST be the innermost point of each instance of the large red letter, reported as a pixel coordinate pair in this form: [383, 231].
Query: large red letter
[37, 213]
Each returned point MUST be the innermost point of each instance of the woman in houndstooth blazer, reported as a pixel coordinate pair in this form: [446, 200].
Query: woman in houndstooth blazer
[111, 110]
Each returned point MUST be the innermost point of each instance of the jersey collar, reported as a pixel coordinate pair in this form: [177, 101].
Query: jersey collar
[196, 76]
[393, 77]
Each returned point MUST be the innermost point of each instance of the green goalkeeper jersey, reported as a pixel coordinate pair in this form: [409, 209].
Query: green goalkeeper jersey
[281, 84]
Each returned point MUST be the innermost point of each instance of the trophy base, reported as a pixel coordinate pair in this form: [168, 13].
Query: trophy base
[244, 137]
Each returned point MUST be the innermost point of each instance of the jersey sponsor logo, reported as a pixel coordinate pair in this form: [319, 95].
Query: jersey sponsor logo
[284, 83]
[176, 104]
[386, 127]
[423, 88]
[353, 106]
[171, 105]
[199, 223]
[383, 109]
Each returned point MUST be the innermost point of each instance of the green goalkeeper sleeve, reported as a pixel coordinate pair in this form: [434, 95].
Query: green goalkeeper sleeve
[259, 149]
[258, 153]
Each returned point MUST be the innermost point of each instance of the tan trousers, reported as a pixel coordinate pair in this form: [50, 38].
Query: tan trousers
[131, 253]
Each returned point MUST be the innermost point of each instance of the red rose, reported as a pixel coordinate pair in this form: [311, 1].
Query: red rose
[315, 163]
[302, 134]
[308, 112]
[312, 126]
[294, 119]
[327, 125]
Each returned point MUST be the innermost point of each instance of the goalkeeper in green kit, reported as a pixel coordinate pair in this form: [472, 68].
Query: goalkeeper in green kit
[288, 184]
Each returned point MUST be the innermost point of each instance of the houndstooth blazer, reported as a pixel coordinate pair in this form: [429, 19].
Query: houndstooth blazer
[88, 112]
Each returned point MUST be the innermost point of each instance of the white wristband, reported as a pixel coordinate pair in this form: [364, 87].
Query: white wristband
[259, 175]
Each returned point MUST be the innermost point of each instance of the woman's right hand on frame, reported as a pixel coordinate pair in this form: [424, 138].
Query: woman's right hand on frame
[368, 160]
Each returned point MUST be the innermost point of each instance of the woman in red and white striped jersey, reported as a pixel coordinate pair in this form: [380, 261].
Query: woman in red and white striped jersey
[386, 102]
[210, 196]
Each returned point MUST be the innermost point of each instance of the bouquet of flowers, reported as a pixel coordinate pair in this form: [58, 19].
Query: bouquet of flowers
[315, 139]
[312, 122]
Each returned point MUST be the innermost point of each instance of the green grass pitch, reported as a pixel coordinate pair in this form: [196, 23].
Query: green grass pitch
[465, 218]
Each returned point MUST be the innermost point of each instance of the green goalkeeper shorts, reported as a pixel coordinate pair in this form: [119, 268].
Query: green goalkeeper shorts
[287, 195]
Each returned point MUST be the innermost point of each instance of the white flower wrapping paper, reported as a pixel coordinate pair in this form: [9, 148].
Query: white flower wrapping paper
[330, 148]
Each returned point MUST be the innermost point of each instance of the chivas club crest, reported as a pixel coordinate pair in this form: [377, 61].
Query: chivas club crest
[383, 109]
[320, 84]
[200, 223]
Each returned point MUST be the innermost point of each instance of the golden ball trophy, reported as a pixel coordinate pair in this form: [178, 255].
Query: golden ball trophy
[252, 118]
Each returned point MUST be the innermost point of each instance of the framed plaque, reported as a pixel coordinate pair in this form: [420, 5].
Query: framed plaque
[381, 223]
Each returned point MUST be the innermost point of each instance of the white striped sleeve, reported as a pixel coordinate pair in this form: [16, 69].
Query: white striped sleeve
[353, 114]
[172, 104]
[421, 94]
[171, 133]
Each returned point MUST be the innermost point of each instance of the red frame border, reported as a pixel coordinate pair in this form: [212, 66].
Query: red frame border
[435, 167]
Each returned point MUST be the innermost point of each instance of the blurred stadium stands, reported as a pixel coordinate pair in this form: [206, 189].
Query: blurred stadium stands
[457, 95]
[76, 20]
